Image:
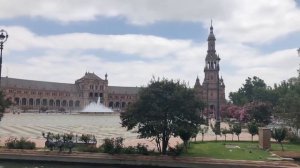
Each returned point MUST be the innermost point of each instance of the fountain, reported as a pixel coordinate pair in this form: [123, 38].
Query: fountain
[96, 108]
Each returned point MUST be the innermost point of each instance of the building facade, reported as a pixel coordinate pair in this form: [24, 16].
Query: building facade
[212, 89]
[37, 95]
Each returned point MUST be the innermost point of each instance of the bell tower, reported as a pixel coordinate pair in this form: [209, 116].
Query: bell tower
[213, 88]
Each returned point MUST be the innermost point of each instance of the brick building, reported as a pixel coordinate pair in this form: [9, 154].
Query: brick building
[32, 95]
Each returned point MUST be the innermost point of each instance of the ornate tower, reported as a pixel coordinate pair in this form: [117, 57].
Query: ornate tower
[212, 90]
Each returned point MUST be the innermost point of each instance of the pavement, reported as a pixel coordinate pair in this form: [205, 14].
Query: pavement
[137, 160]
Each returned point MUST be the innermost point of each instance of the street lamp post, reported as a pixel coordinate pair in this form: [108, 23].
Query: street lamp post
[299, 64]
[3, 38]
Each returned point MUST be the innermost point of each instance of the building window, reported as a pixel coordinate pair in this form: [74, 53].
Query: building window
[44, 102]
[71, 103]
[77, 103]
[37, 102]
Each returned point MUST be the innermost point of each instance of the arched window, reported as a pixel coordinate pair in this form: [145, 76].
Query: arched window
[64, 103]
[123, 104]
[101, 95]
[77, 103]
[111, 104]
[38, 102]
[117, 104]
[57, 102]
[96, 95]
[31, 102]
[71, 104]
[91, 94]
[17, 101]
[51, 102]
[24, 102]
[45, 102]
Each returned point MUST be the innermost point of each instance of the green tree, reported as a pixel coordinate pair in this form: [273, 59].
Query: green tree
[4, 103]
[260, 112]
[279, 135]
[163, 109]
[254, 89]
[237, 129]
[215, 129]
[288, 107]
[253, 129]
[224, 132]
[203, 130]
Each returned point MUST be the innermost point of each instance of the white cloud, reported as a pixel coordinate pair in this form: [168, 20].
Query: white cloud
[236, 21]
[142, 45]
[64, 59]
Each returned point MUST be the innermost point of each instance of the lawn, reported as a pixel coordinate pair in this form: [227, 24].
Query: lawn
[234, 150]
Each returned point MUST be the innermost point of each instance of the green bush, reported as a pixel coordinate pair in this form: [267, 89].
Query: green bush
[88, 148]
[129, 150]
[108, 145]
[14, 143]
[142, 149]
[112, 145]
[177, 150]
[293, 138]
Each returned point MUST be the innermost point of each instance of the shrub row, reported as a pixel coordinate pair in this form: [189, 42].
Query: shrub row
[115, 146]
[14, 143]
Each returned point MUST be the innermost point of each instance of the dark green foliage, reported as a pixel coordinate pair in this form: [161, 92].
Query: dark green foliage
[14, 143]
[142, 149]
[129, 150]
[108, 145]
[88, 148]
[260, 112]
[186, 134]
[293, 138]
[4, 103]
[86, 138]
[279, 134]
[252, 129]
[112, 145]
[177, 150]
[237, 129]
[224, 132]
[216, 129]
[254, 89]
[164, 107]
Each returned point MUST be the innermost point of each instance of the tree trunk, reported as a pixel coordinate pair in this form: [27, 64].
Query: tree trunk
[238, 137]
[252, 138]
[164, 146]
[225, 137]
[281, 146]
[202, 137]
[231, 137]
[158, 144]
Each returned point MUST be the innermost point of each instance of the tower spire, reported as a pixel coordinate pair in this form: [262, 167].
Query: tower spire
[211, 27]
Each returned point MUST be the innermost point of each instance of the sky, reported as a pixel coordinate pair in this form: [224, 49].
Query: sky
[134, 40]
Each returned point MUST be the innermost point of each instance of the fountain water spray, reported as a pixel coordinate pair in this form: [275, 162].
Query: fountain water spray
[96, 107]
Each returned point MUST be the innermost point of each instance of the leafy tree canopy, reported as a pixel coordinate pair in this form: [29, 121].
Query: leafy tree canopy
[254, 89]
[164, 108]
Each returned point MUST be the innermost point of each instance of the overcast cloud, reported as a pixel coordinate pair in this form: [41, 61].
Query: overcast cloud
[241, 29]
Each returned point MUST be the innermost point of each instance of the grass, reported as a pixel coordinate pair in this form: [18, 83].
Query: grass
[286, 147]
[246, 150]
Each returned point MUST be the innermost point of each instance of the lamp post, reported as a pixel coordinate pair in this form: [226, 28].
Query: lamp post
[3, 38]
[299, 64]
